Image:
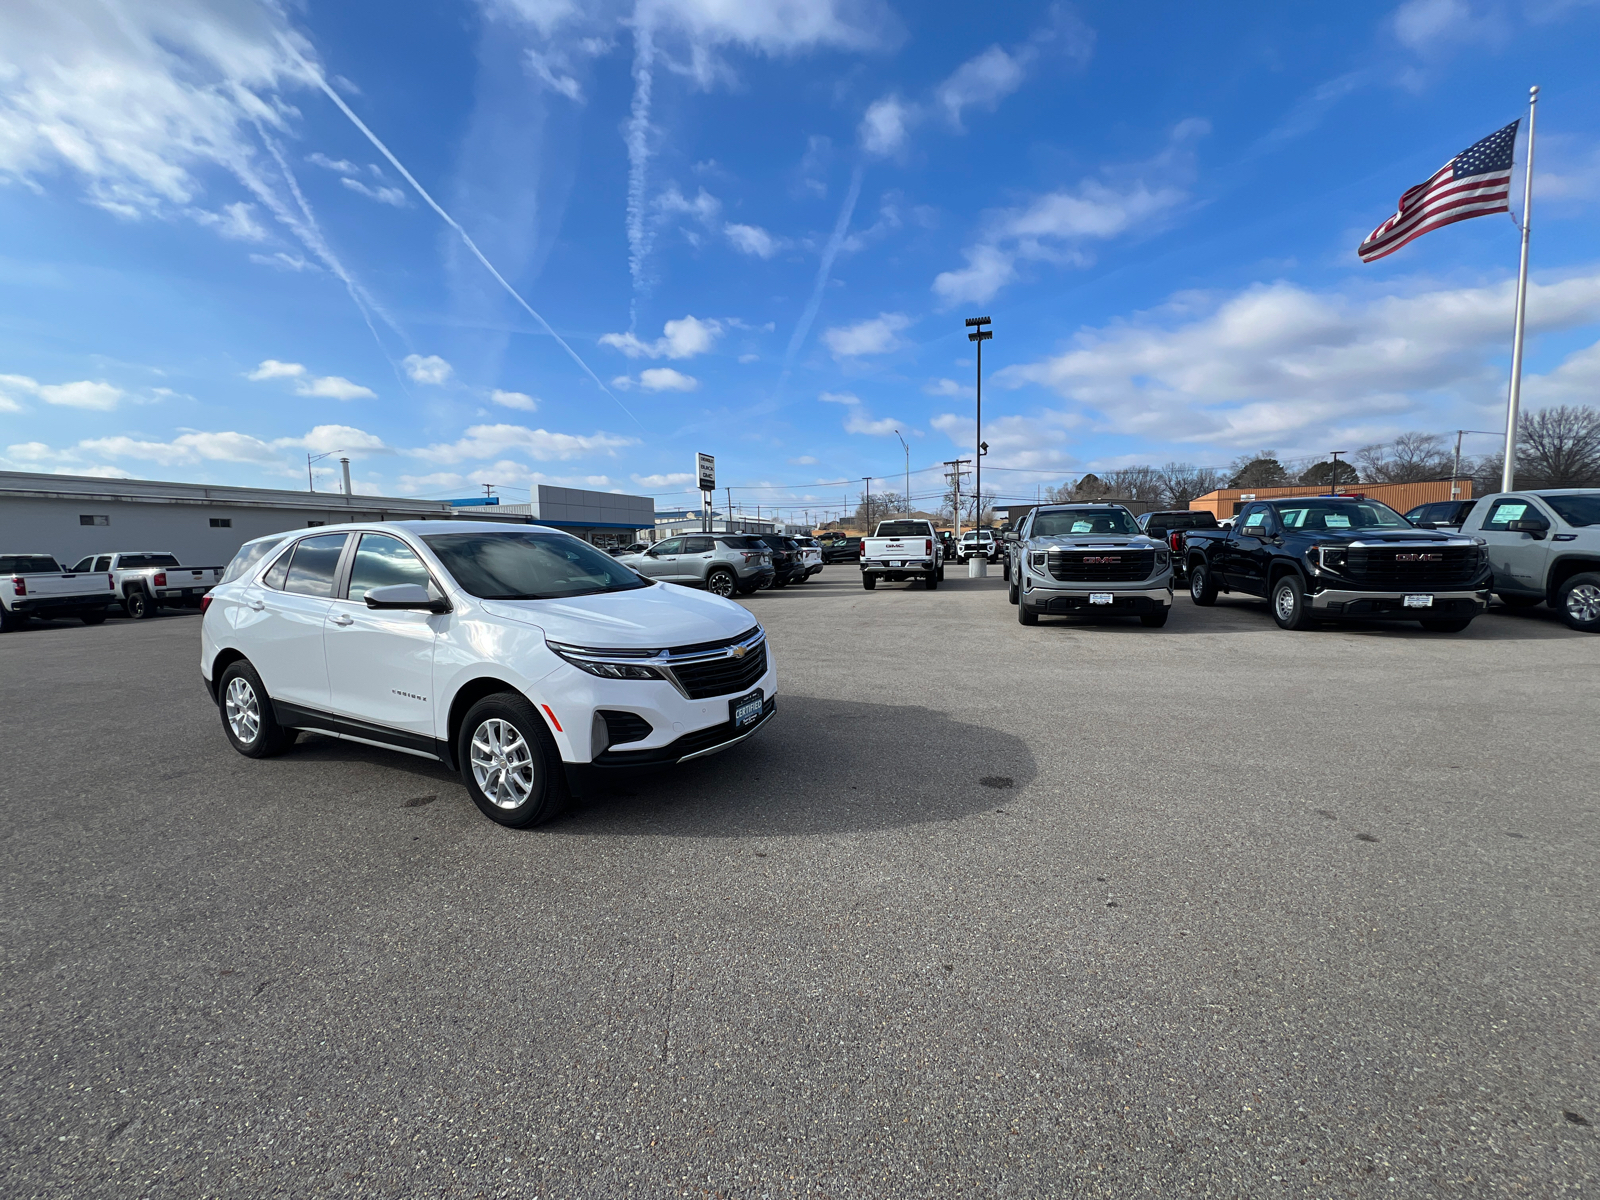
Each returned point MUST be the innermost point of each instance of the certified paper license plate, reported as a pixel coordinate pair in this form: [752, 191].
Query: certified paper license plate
[746, 709]
[1101, 598]
[1419, 601]
[895, 563]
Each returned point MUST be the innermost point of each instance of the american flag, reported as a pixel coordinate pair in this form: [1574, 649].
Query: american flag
[1474, 183]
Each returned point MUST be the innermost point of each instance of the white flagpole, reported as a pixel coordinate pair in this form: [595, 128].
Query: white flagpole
[1509, 472]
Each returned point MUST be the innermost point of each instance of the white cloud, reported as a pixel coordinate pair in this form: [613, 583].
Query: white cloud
[334, 387]
[487, 441]
[885, 126]
[983, 81]
[660, 482]
[683, 338]
[328, 387]
[749, 358]
[1055, 227]
[1575, 381]
[752, 240]
[665, 379]
[704, 208]
[838, 398]
[342, 165]
[551, 69]
[859, 422]
[271, 368]
[238, 221]
[878, 335]
[343, 438]
[229, 446]
[805, 460]
[101, 397]
[284, 262]
[942, 387]
[1430, 26]
[431, 369]
[383, 195]
[519, 400]
[1279, 362]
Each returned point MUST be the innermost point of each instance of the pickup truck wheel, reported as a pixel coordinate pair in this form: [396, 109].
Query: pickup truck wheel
[10, 621]
[1289, 607]
[941, 572]
[930, 580]
[1579, 602]
[1445, 624]
[94, 618]
[138, 604]
[1026, 616]
[1014, 592]
[1005, 569]
[1201, 590]
[869, 581]
[247, 717]
[1154, 620]
[509, 762]
[721, 583]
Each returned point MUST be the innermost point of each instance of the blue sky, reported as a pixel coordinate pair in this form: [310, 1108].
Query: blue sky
[754, 228]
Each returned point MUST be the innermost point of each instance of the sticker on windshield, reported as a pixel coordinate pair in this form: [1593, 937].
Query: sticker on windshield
[1507, 513]
[1083, 527]
[1336, 521]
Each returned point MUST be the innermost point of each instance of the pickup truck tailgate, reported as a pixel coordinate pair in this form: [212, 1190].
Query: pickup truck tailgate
[896, 549]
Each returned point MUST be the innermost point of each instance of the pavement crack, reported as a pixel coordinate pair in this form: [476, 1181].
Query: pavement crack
[666, 1028]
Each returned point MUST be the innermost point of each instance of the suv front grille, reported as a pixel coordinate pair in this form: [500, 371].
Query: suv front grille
[722, 676]
[1416, 566]
[1100, 566]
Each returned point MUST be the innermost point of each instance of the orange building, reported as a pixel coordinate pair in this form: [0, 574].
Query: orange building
[1402, 497]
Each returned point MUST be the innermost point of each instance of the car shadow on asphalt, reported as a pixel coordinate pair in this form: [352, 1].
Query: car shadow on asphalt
[820, 766]
[1498, 624]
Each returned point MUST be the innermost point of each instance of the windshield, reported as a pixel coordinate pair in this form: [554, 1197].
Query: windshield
[1084, 520]
[1339, 514]
[1576, 510]
[903, 529]
[530, 566]
[29, 564]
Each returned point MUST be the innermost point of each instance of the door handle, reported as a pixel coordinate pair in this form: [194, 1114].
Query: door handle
[258, 605]
[344, 619]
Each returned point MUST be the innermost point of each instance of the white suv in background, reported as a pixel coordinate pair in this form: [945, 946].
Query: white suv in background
[519, 655]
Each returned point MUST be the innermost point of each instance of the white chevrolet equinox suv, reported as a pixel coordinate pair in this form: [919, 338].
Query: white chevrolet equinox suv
[521, 656]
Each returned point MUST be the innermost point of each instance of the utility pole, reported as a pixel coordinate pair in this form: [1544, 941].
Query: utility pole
[907, 449]
[1455, 469]
[980, 335]
[955, 477]
[1333, 476]
[866, 506]
[727, 517]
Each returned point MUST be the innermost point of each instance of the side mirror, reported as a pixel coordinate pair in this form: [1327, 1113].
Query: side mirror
[1537, 528]
[1425, 524]
[406, 596]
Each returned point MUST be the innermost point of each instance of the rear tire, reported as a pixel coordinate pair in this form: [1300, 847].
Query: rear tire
[509, 762]
[1201, 590]
[1579, 602]
[941, 572]
[1154, 620]
[869, 581]
[721, 583]
[10, 622]
[139, 605]
[930, 580]
[94, 618]
[779, 581]
[248, 721]
[1289, 607]
[1445, 624]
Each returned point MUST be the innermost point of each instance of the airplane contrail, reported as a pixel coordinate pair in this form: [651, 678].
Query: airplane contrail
[638, 141]
[825, 269]
[338, 100]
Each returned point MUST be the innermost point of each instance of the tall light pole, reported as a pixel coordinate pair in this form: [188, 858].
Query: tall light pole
[311, 483]
[907, 449]
[980, 335]
[1333, 473]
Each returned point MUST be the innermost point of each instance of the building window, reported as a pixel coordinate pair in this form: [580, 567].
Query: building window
[222, 522]
[93, 519]
[314, 524]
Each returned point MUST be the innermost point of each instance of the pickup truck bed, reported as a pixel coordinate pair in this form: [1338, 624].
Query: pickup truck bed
[34, 585]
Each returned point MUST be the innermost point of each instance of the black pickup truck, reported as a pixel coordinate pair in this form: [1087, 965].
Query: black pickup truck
[1337, 558]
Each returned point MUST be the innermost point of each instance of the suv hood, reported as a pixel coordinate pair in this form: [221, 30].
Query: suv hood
[1373, 537]
[646, 618]
[1097, 541]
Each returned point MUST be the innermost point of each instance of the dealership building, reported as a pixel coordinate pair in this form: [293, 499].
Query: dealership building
[70, 516]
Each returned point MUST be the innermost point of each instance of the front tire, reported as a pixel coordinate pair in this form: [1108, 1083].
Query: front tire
[1289, 607]
[247, 717]
[1579, 602]
[139, 605]
[509, 762]
[869, 581]
[1025, 616]
[1014, 592]
[1201, 590]
[721, 583]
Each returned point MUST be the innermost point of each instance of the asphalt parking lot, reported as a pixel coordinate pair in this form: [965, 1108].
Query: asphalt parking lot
[1088, 910]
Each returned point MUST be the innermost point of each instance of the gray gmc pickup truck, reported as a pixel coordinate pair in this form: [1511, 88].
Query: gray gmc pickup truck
[1083, 559]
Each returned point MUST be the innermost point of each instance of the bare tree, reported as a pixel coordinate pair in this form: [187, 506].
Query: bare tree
[1560, 447]
[1183, 482]
[880, 506]
[1261, 470]
[1136, 483]
[1058, 495]
[1410, 458]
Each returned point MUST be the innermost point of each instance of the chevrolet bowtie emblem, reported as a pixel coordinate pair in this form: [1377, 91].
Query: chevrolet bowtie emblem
[738, 651]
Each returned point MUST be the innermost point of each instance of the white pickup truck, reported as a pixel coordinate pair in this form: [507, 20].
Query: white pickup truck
[34, 585]
[902, 549]
[147, 580]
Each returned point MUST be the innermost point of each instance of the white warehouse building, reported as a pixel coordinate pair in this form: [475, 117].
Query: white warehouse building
[70, 516]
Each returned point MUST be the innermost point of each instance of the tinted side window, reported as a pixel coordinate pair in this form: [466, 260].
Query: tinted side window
[103, 563]
[315, 560]
[278, 572]
[1506, 511]
[83, 564]
[382, 561]
[697, 545]
[248, 557]
[670, 546]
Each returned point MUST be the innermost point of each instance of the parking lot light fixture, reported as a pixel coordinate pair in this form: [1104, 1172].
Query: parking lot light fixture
[979, 335]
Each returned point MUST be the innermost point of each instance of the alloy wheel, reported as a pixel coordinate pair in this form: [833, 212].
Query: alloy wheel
[243, 710]
[721, 583]
[1583, 603]
[502, 763]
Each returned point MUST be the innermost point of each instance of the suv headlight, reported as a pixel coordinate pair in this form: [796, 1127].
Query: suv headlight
[1162, 558]
[1036, 559]
[607, 664]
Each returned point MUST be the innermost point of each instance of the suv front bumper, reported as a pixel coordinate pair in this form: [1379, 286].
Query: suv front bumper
[1056, 599]
[1352, 603]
